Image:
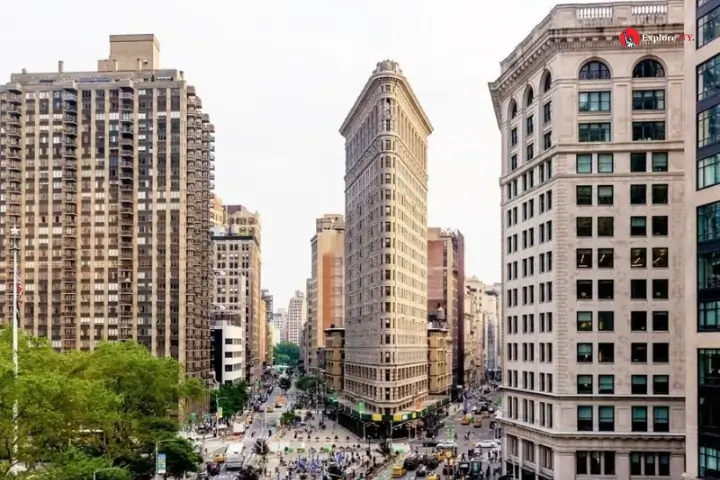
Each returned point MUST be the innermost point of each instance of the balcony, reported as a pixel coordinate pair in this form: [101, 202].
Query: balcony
[70, 107]
[70, 118]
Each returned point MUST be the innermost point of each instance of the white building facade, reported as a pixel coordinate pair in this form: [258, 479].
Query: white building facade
[296, 317]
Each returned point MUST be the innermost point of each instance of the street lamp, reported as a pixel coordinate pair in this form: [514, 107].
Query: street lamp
[104, 470]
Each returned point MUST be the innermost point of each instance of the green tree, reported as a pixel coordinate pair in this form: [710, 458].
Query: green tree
[307, 383]
[76, 465]
[287, 353]
[231, 398]
[288, 418]
[182, 457]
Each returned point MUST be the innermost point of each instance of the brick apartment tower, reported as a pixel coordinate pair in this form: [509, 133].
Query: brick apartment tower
[108, 174]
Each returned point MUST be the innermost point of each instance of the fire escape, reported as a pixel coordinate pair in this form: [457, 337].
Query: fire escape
[194, 193]
[125, 185]
[69, 225]
[10, 120]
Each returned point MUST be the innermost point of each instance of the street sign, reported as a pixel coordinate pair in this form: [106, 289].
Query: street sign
[161, 466]
[361, 407]
[193, 417]
[219, 412]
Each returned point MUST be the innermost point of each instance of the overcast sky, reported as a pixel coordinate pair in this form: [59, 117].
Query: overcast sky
[278, 77]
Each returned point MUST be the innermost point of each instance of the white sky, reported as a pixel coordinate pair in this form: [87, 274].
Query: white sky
[279, 76]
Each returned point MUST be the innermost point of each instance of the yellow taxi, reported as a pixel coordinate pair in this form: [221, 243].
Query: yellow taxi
[398, 471]
[465, 421]
[477, 423]
[269, 409]
[219, 457]
[433, 476]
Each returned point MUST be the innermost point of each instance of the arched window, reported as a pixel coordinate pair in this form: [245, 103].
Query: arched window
[547, 83]
[648, 68]
[594, 70]
[513, 109]
[529, 96]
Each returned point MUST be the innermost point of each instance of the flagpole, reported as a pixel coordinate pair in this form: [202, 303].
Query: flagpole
[15, 234]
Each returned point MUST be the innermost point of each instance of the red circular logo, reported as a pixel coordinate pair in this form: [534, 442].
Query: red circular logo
[629, 38]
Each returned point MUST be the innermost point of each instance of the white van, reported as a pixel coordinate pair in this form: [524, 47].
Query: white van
[234, 457]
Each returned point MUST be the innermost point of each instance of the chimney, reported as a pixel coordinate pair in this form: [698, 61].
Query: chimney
[61, 66]
[139, 64]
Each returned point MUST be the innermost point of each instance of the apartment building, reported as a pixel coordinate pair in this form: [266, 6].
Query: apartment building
[279, 321]
[386, 135]
[296, 317]
[228, 347]
[592, 209]
[702, 232]
[267, 344]
[218, 215]
[244, 232]
[470, 343]
[487, 304]
[108, 175]
[446, 277]
[326, 285]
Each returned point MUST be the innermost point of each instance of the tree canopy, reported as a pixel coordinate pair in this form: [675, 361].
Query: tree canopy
[86, 411]
[308, 382]
[287, 353]
[231, 398]
[285, 383]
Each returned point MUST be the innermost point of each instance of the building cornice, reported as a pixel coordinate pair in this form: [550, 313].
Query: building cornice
[595, 41]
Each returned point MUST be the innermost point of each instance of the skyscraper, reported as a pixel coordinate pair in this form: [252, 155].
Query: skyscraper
[386, 245]
[326, 285]
[109, 174]
[593, 260]
[296, 317]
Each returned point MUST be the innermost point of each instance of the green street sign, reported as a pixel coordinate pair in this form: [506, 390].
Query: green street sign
[361, 407]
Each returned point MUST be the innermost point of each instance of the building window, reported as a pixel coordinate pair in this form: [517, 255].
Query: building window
[638, 353]
[638, 321]
[529, 152]
[709, 367]
[661, 419]
[606, 384]
[708, 270]
[606, 352]
[660, 289]
[639, 419]
[708, 78]
[594, 101]
[583, 195]
[638, 226]
[661, 352]
[649, 100]
[708, 222]
[513, 137]
[585, 385]
[606, 226]
[584, 322]
[594, 132]
[638, 384]
[583, 257]
[606, 321]
[606, 258]
[644, 131]
[708, 171]
[584, 352]
[709, 316]
[584, 289]
[709, 461]
[638, 289]
[547, 140]
[594, 70]
[606, 419]
[585, 418]
[659, 161]
[660, 194]
[638, 162]
[660, 226]
[661, 385]
[638, 257]
[708, 27]
[606, 289]
[530, 125]
[605, 163]
[583, 163]
[648, 68]
[547, 112]
[660, 257]
[708, 127]
[513, 162]
[638, 194]
[583, 226]
[605, 195]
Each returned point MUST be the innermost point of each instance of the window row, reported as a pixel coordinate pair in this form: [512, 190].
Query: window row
[585, 352]
[544, 204]
[638, 385]
[606, 321]
[641, 100]
[528, 323]
[605, 163]
[641, 131]
[606, 419]
[527, 179]
[528, 266]
[659, 194]
[649, 464]
[639, 258]
[545, 234]
[606, 226]
[598, 70]
[660, 289]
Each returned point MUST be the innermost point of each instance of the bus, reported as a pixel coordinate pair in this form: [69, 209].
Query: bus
[234, 457]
